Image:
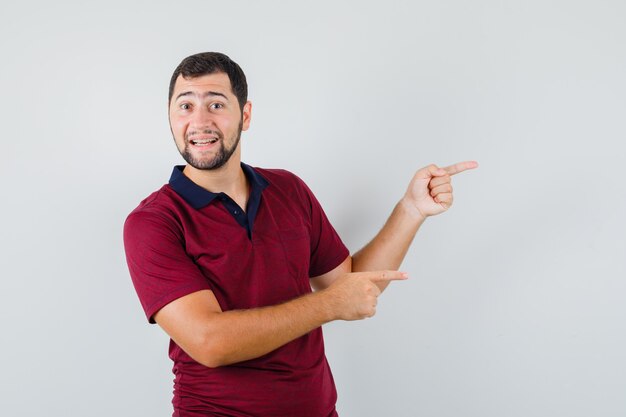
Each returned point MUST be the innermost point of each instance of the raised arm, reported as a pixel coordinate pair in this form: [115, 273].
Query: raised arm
[429, 193]
[215, 338]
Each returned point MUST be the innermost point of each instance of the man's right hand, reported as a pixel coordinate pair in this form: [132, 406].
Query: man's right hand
[354, 295]
[215, 338]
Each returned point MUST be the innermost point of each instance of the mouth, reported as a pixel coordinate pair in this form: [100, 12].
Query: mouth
[204, 141]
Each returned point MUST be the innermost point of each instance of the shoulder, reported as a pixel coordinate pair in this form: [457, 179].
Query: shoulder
[283, 179]
[160, 209]
[288, 189]
[277, 175]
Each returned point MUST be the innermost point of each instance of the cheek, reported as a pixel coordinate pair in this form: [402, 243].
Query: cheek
[178, 127]
[230, 124]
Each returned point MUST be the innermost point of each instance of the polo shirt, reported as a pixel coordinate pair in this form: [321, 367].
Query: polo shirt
[183, 238]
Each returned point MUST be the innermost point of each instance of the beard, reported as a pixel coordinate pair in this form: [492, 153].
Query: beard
[222, 154]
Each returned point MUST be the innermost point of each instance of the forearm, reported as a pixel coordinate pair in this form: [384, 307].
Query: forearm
[389, 247]
[239, 335]
[215, 338]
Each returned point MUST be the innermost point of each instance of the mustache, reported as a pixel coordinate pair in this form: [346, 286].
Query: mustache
[192, 133]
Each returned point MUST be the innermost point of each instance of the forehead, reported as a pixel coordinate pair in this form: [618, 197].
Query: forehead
[218, 82]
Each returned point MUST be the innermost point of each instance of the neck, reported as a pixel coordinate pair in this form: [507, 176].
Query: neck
[228, 179]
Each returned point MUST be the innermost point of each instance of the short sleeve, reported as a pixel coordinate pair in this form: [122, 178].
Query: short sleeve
[327, 249]
[160, 268]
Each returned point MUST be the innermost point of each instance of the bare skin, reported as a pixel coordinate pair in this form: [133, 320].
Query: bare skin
[348, 292]
[215, 338]
[429, 193]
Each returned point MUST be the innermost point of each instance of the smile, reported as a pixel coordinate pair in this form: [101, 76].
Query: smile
[202, 142]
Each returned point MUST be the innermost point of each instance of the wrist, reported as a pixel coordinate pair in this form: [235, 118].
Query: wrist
[326, 304]
[411, 210]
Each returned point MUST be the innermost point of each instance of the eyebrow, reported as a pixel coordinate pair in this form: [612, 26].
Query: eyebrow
[207, 94]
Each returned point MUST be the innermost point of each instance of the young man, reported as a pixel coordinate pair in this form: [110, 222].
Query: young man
[223, 258]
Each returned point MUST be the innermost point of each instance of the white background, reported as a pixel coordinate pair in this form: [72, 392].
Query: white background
[515, 305]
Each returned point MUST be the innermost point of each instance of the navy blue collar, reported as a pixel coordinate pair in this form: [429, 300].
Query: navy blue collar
[198, 197]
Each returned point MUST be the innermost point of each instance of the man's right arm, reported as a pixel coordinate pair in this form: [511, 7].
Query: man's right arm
[215, 338]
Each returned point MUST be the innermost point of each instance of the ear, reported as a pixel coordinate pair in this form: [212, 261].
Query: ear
[246, 115]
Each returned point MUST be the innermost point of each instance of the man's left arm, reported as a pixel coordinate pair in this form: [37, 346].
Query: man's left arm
[429, 193]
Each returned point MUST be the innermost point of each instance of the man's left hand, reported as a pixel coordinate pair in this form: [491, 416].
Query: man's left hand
[430, 190]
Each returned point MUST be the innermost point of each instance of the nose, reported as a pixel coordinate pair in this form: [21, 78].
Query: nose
[202, 119]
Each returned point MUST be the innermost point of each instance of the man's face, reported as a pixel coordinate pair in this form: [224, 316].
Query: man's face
[206, 120]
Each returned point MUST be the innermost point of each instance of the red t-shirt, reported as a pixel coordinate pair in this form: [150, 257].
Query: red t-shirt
[183, 239]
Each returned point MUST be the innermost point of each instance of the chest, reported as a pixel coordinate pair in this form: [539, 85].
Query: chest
[268, 267]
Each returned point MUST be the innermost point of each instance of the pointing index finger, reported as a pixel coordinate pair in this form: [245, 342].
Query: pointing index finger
[460, 167]
[388, 276]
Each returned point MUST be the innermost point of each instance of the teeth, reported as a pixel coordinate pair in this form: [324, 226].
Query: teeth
[203, 141]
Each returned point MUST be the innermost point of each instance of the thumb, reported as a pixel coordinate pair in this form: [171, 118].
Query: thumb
[430, 171]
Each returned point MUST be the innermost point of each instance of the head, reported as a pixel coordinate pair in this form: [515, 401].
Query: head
[208, 109]
[206, 63]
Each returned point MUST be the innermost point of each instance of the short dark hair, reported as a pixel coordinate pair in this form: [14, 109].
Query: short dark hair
[206, 63]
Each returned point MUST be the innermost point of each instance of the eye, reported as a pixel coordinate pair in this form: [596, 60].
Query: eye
[217, 106]
[185, 106]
